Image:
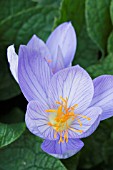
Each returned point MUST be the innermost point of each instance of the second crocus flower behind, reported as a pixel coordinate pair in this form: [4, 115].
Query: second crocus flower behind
[58, 51]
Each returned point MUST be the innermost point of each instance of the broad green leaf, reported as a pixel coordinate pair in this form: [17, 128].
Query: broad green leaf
[30, 19]
[104, 67]
[92, 153]
[111, 11]
[86, 50]
[11, 8]
[19, 21]
[107, 150]
[27, 154]
[47, 2]
[98, 22]
[110, 43]
[110, 39]
[10, 132]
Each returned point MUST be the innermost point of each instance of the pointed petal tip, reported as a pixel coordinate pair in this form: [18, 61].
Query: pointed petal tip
[9, 49]
[13, 61]
[68, 23]
[70, 26]
[78, 66]
[34, 36]
[22, 48]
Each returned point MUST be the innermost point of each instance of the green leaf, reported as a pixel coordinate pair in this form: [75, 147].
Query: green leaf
[110, 39]
[30, 19]
[47, 2]
[92, 153]
[111, 11]
[98, 22]
[27, 154]
[110, 43]
[19, 21]
[104, 67]
[86, 50]
[9, 133]
[107, 150]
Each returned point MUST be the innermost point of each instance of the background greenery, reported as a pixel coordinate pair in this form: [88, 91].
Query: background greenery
[19, 20]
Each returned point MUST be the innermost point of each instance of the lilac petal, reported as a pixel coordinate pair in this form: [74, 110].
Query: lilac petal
[103, 95]
[92, 128]
[13, 61]
[34, 75]
[62, 150]
[59, 61]
[88, 126]
[31, 123]
[65, 37]
[73, 83]
[37, 120]
[37, 44]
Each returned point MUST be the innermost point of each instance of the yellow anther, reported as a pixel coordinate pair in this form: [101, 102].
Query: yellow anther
[85, 117]
[50, 124]
[50, 110]
[62, 118]
[66, 136]
[49, 61]
[75, 130]
[64, 100]
[78, 120]
[55, 134]
[61, 140]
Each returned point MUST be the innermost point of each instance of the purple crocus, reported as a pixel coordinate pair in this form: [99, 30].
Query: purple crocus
[65, 105]
[58, 51]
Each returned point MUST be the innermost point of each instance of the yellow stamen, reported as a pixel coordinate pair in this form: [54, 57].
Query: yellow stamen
[55, 134]
[61, 140]
[62, 118]
[66, 136]
[78, 120]
[75, 130]
[85, 117]
[49, 61]
[50, 110]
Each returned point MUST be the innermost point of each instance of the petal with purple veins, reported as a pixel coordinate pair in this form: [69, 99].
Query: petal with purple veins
[62, 150]
[59, 61]
[34, 75]
[89, 123]
[73, 83]
[37, 120]
[65, 37]
[103, 95]
[37, 44]
[91, 129]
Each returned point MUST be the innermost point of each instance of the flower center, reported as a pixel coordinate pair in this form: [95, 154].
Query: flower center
[61, 119]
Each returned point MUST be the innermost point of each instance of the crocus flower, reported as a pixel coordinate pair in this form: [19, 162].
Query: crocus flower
[65, 105]
[58, 51]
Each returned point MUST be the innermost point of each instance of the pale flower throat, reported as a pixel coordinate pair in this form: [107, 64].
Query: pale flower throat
[61, 119]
